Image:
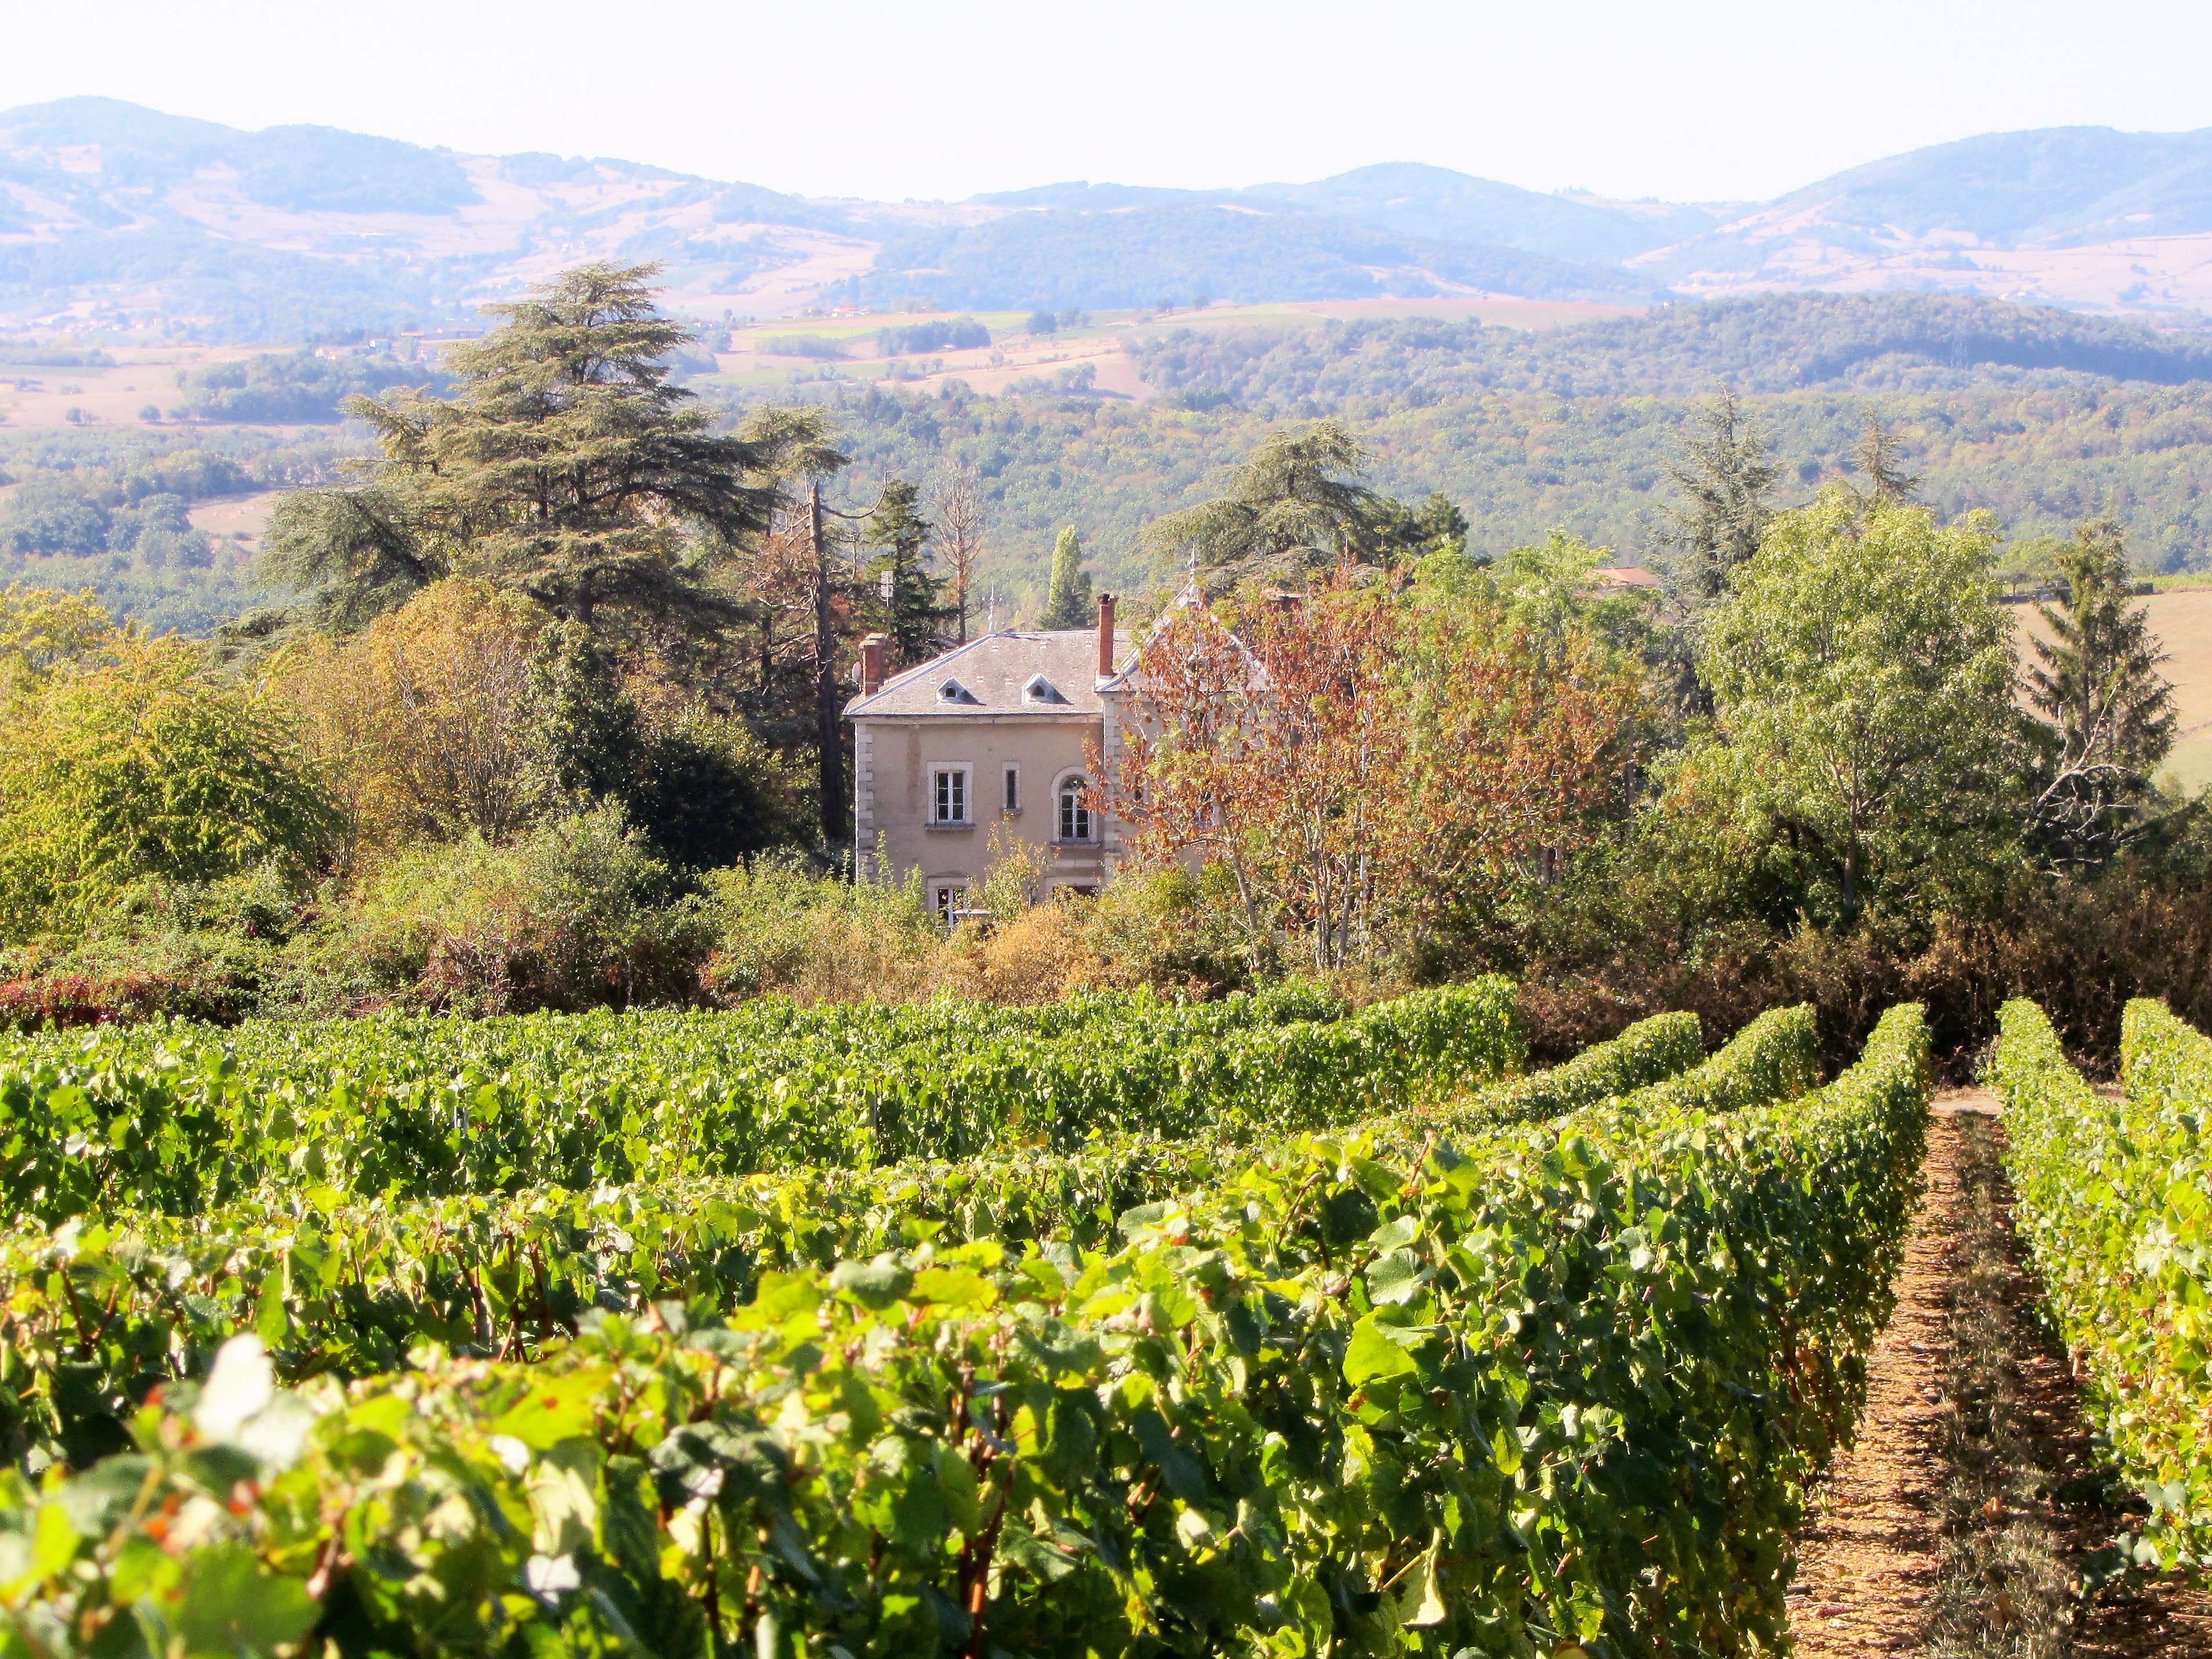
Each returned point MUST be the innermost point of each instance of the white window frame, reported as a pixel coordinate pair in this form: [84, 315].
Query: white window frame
[940, 796]
[946, 895]
[1011, 800]
[1060, 811]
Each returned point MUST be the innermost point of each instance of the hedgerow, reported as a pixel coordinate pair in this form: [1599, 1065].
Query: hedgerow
[1551, 1386]
[2115, 1200]
[184, 1119]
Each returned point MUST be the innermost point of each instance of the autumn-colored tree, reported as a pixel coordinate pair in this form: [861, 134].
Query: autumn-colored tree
[1522, 736]
[1357, 759]
[420, 719]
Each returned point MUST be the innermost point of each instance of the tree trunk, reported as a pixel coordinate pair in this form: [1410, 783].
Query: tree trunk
[827, 737]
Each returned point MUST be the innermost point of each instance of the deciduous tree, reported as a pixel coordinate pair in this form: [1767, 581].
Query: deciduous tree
[801, 597]
[421, 720]
[1863, 679]
[1361, 758]
[148, 766]
[958, 506]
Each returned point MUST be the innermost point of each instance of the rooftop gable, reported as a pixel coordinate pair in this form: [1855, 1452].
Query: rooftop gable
[994, 673]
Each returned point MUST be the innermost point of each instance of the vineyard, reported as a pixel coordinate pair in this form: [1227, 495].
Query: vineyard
[2115, 1200]
[1265, 1326]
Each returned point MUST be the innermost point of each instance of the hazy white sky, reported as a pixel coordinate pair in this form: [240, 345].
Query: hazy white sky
[1683, 101]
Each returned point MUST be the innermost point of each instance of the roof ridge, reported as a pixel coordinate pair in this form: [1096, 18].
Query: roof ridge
[941, 658]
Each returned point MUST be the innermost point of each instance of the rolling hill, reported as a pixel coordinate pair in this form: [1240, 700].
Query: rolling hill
[124, 221]
[2080, 215]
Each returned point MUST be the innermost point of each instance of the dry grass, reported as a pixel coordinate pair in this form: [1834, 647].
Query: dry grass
[1040, 956]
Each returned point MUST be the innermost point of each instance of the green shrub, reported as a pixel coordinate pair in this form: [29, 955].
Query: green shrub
[780, 926]
[1170, 928]
[577, 913]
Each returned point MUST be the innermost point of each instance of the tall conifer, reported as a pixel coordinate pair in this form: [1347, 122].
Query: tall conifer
[1067, 600]
[2108, 712]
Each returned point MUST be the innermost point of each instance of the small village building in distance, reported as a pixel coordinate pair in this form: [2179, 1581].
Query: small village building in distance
[999, 734]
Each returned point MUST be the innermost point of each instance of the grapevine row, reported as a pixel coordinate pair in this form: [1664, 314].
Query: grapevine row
[98, 1314]
[2115, 1200]
[1519, 1390]
[185, 1119]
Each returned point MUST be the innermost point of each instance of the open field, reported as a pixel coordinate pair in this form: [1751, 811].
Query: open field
[1015, 356]
[237, 518]
[2183, 621]
[33, 397]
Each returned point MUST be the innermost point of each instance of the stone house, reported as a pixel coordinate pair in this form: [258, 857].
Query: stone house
[997, 734]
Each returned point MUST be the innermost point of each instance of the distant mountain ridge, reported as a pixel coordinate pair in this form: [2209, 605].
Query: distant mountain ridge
[2085, 216]
[1412, 200]
[113, 216]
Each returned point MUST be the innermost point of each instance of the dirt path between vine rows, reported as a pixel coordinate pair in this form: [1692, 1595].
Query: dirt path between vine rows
[1958, 1522]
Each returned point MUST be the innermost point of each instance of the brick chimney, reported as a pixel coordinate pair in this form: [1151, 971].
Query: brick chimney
[872, 664]
[1105, 635]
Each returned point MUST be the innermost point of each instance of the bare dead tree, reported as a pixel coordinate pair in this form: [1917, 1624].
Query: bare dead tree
[957, 504]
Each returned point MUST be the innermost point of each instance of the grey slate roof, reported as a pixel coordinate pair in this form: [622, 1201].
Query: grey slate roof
[991, 671]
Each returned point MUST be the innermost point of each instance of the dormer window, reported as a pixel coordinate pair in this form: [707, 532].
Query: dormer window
[953, 691]
[1040, 690]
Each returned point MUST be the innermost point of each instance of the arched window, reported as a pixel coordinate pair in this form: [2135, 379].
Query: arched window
[1074, 810]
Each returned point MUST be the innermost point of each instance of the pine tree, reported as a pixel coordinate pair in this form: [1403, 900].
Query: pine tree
[1292, 508]
[1880, 460]
[1724, 479]
[1068, 601]
[2108, 713]
[908, 600]
[565, 466]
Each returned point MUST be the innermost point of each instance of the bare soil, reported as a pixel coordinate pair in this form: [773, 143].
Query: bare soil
[1882, 1553]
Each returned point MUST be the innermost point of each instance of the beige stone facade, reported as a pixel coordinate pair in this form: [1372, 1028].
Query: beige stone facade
[997, 735]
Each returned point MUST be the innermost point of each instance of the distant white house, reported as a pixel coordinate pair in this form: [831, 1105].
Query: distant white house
[998, 732]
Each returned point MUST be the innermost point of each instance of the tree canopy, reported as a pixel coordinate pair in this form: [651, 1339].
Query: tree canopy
[1288, 512]
[1863, 679]
[133, 762]
[565, 466]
